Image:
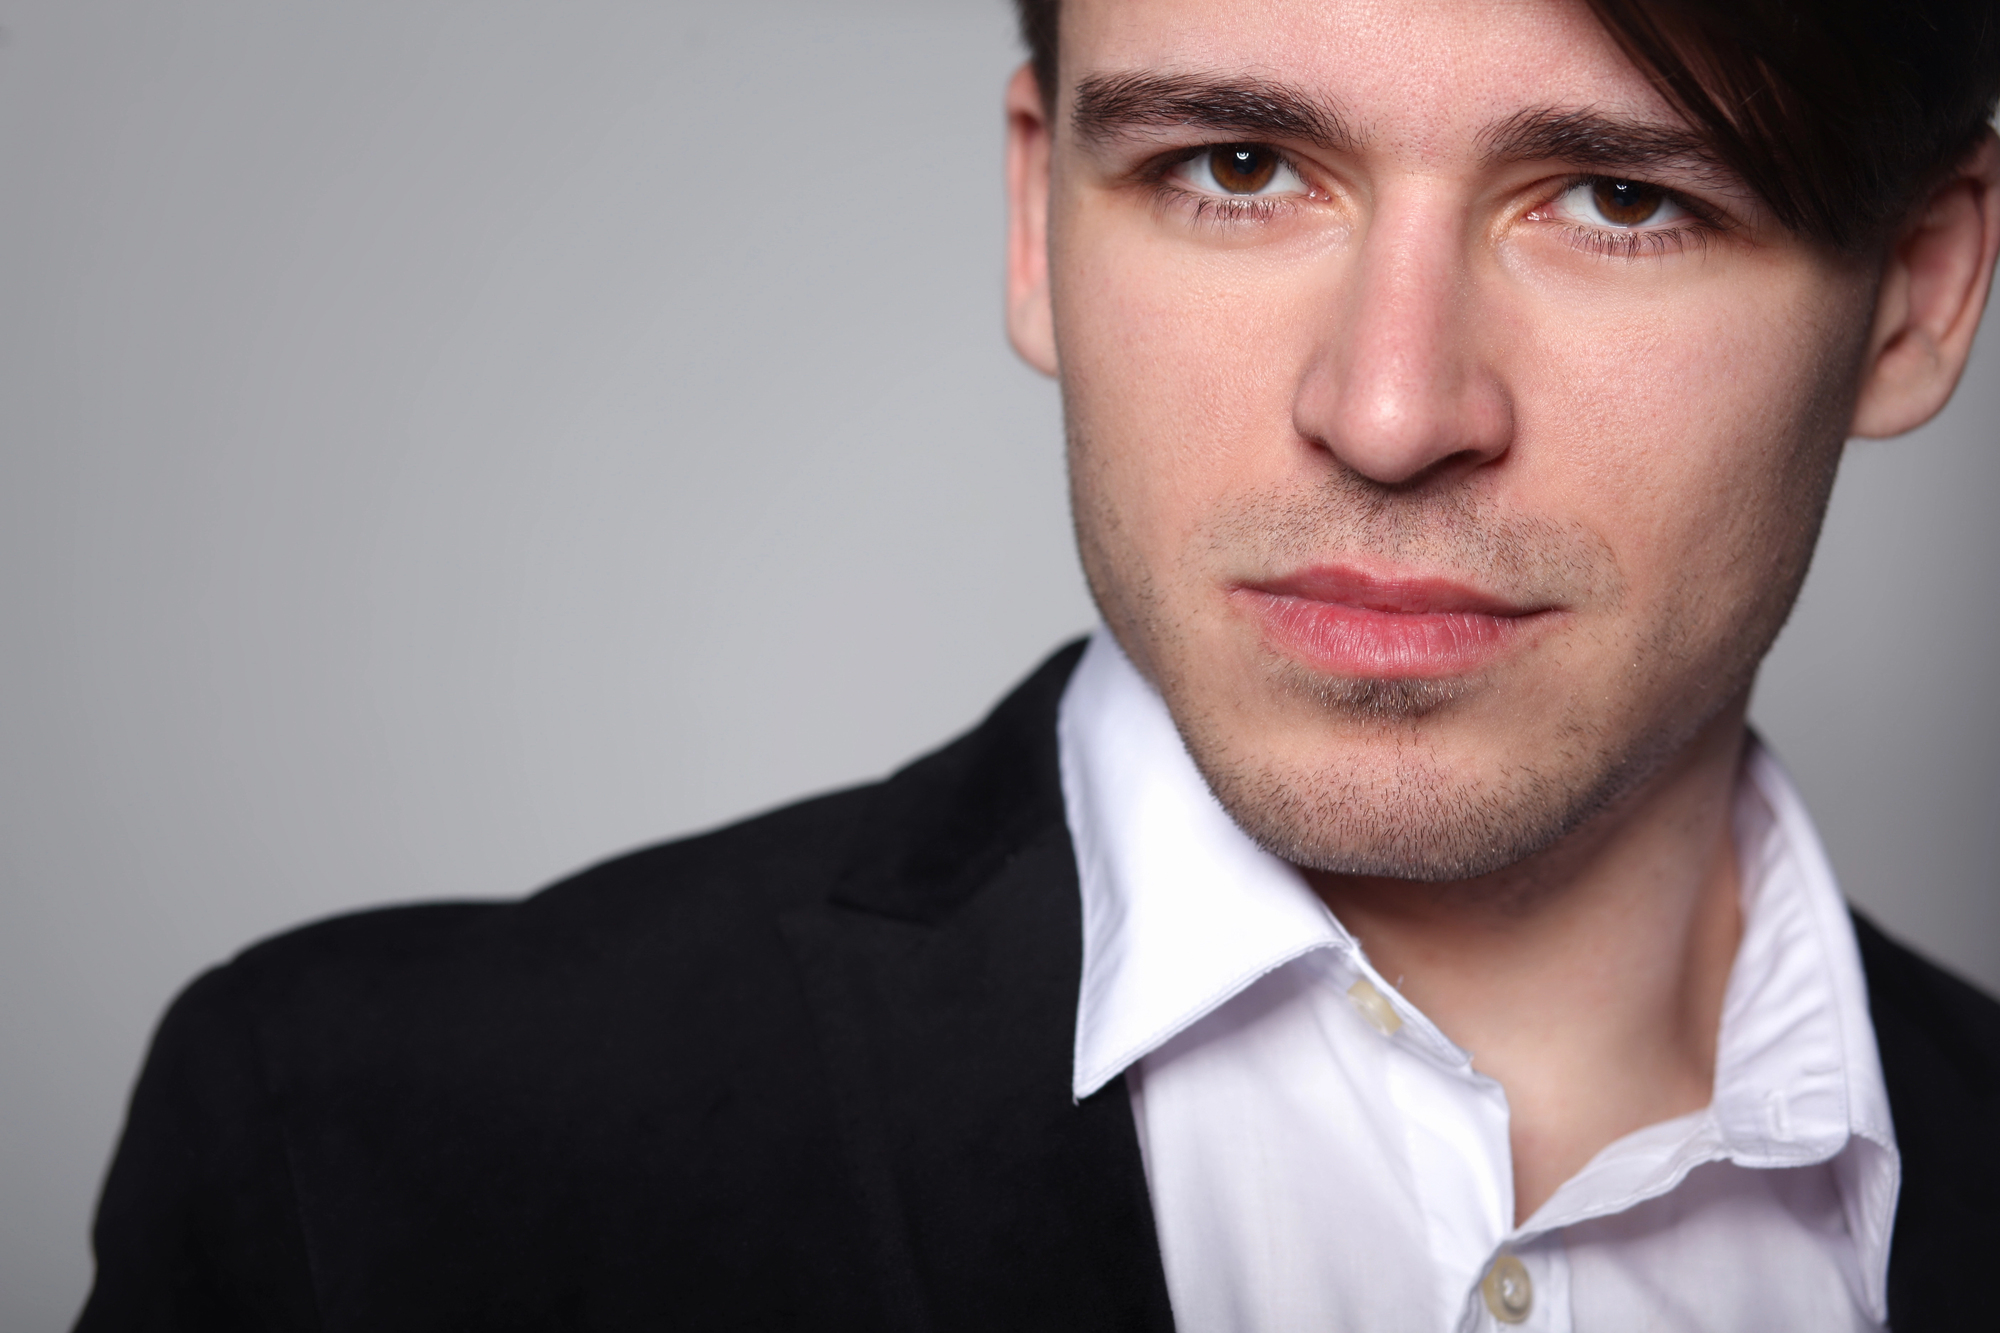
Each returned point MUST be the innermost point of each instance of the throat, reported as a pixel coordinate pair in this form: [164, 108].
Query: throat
[1595, 1000]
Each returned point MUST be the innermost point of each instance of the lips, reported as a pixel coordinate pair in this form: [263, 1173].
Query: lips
[1342, 622]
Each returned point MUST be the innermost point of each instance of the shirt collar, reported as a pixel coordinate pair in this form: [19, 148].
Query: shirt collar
[1182, 911]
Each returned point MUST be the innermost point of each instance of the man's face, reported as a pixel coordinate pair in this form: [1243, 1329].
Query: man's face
[1448, 438]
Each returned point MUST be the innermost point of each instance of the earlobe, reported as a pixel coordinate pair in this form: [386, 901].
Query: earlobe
[1933, 290]
[1030, 316]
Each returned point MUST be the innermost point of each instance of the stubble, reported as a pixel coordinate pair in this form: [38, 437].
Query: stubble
[1390, 794]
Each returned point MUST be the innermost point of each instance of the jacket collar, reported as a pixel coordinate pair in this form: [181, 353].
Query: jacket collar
[945, 969]
[942, 976]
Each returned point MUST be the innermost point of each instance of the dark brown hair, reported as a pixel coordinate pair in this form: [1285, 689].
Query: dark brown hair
[1839, 113]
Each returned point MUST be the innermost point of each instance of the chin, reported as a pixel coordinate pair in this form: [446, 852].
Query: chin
[1400, 814]
[1410, 778]
[1375, 699]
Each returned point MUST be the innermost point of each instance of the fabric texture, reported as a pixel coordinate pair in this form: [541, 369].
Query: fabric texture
[811, 1071]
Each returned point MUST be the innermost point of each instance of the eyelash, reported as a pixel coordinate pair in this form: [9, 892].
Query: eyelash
[1226, 211]
[1216, 210]
[1700, 225]
[1638, 244]
[1223, 210]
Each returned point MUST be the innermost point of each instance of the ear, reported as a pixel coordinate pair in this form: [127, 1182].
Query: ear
[1933, 291]
[1030, 318]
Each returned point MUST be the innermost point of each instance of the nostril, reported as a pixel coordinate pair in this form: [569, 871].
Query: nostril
[1408, 438]
[1404, 481]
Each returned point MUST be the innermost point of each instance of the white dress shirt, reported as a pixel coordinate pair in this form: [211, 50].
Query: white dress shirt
[1320, 1156]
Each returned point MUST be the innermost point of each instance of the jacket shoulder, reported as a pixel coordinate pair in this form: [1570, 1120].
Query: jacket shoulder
[453, 1110]
[927, 823]
[754, 867]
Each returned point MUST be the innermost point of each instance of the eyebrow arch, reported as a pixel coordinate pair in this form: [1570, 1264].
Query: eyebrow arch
[1110, 105]
[1593, 139]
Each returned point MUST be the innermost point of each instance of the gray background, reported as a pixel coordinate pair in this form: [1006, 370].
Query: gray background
[444, 443]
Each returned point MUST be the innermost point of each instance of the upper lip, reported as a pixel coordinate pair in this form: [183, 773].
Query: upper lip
[1398, 594]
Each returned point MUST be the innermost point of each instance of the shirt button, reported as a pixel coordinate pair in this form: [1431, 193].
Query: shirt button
[1375, 1007]
[1508, 1292]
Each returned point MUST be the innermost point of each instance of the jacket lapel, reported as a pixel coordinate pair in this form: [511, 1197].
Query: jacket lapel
[943, 976]
[1940, 1045]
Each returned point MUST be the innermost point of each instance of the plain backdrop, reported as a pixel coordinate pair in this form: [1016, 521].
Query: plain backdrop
[444, 442]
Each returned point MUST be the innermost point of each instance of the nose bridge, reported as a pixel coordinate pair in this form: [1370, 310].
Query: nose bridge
[1401, 383]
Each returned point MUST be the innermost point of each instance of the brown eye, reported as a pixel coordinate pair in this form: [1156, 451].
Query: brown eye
[1242, 168]
[1627, 203]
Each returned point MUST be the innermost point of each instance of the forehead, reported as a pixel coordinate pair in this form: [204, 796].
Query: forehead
[1423, 76]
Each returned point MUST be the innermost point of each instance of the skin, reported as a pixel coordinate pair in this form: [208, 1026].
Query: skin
[1419, 358]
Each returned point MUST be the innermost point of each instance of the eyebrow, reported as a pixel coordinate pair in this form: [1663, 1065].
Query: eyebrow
[1112, 105]
[1594, 139]
[1109, 106]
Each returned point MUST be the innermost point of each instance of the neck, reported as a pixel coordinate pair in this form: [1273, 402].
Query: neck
[1589, 979]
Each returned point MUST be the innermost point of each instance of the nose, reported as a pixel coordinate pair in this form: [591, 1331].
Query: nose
[1402, 388]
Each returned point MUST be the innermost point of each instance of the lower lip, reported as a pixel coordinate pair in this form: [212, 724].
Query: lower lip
[1342, 640]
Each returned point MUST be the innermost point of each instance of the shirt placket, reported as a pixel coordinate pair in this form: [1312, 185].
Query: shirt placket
[1456, 1125]
[1524, 1286]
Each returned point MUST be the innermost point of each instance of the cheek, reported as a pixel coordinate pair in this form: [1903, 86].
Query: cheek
[1695, 436]
[1179, 372]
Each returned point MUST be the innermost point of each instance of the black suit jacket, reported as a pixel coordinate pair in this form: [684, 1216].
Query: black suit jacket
[810, 1071]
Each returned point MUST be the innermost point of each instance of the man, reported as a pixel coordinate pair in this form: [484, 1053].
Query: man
[1387, 922]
